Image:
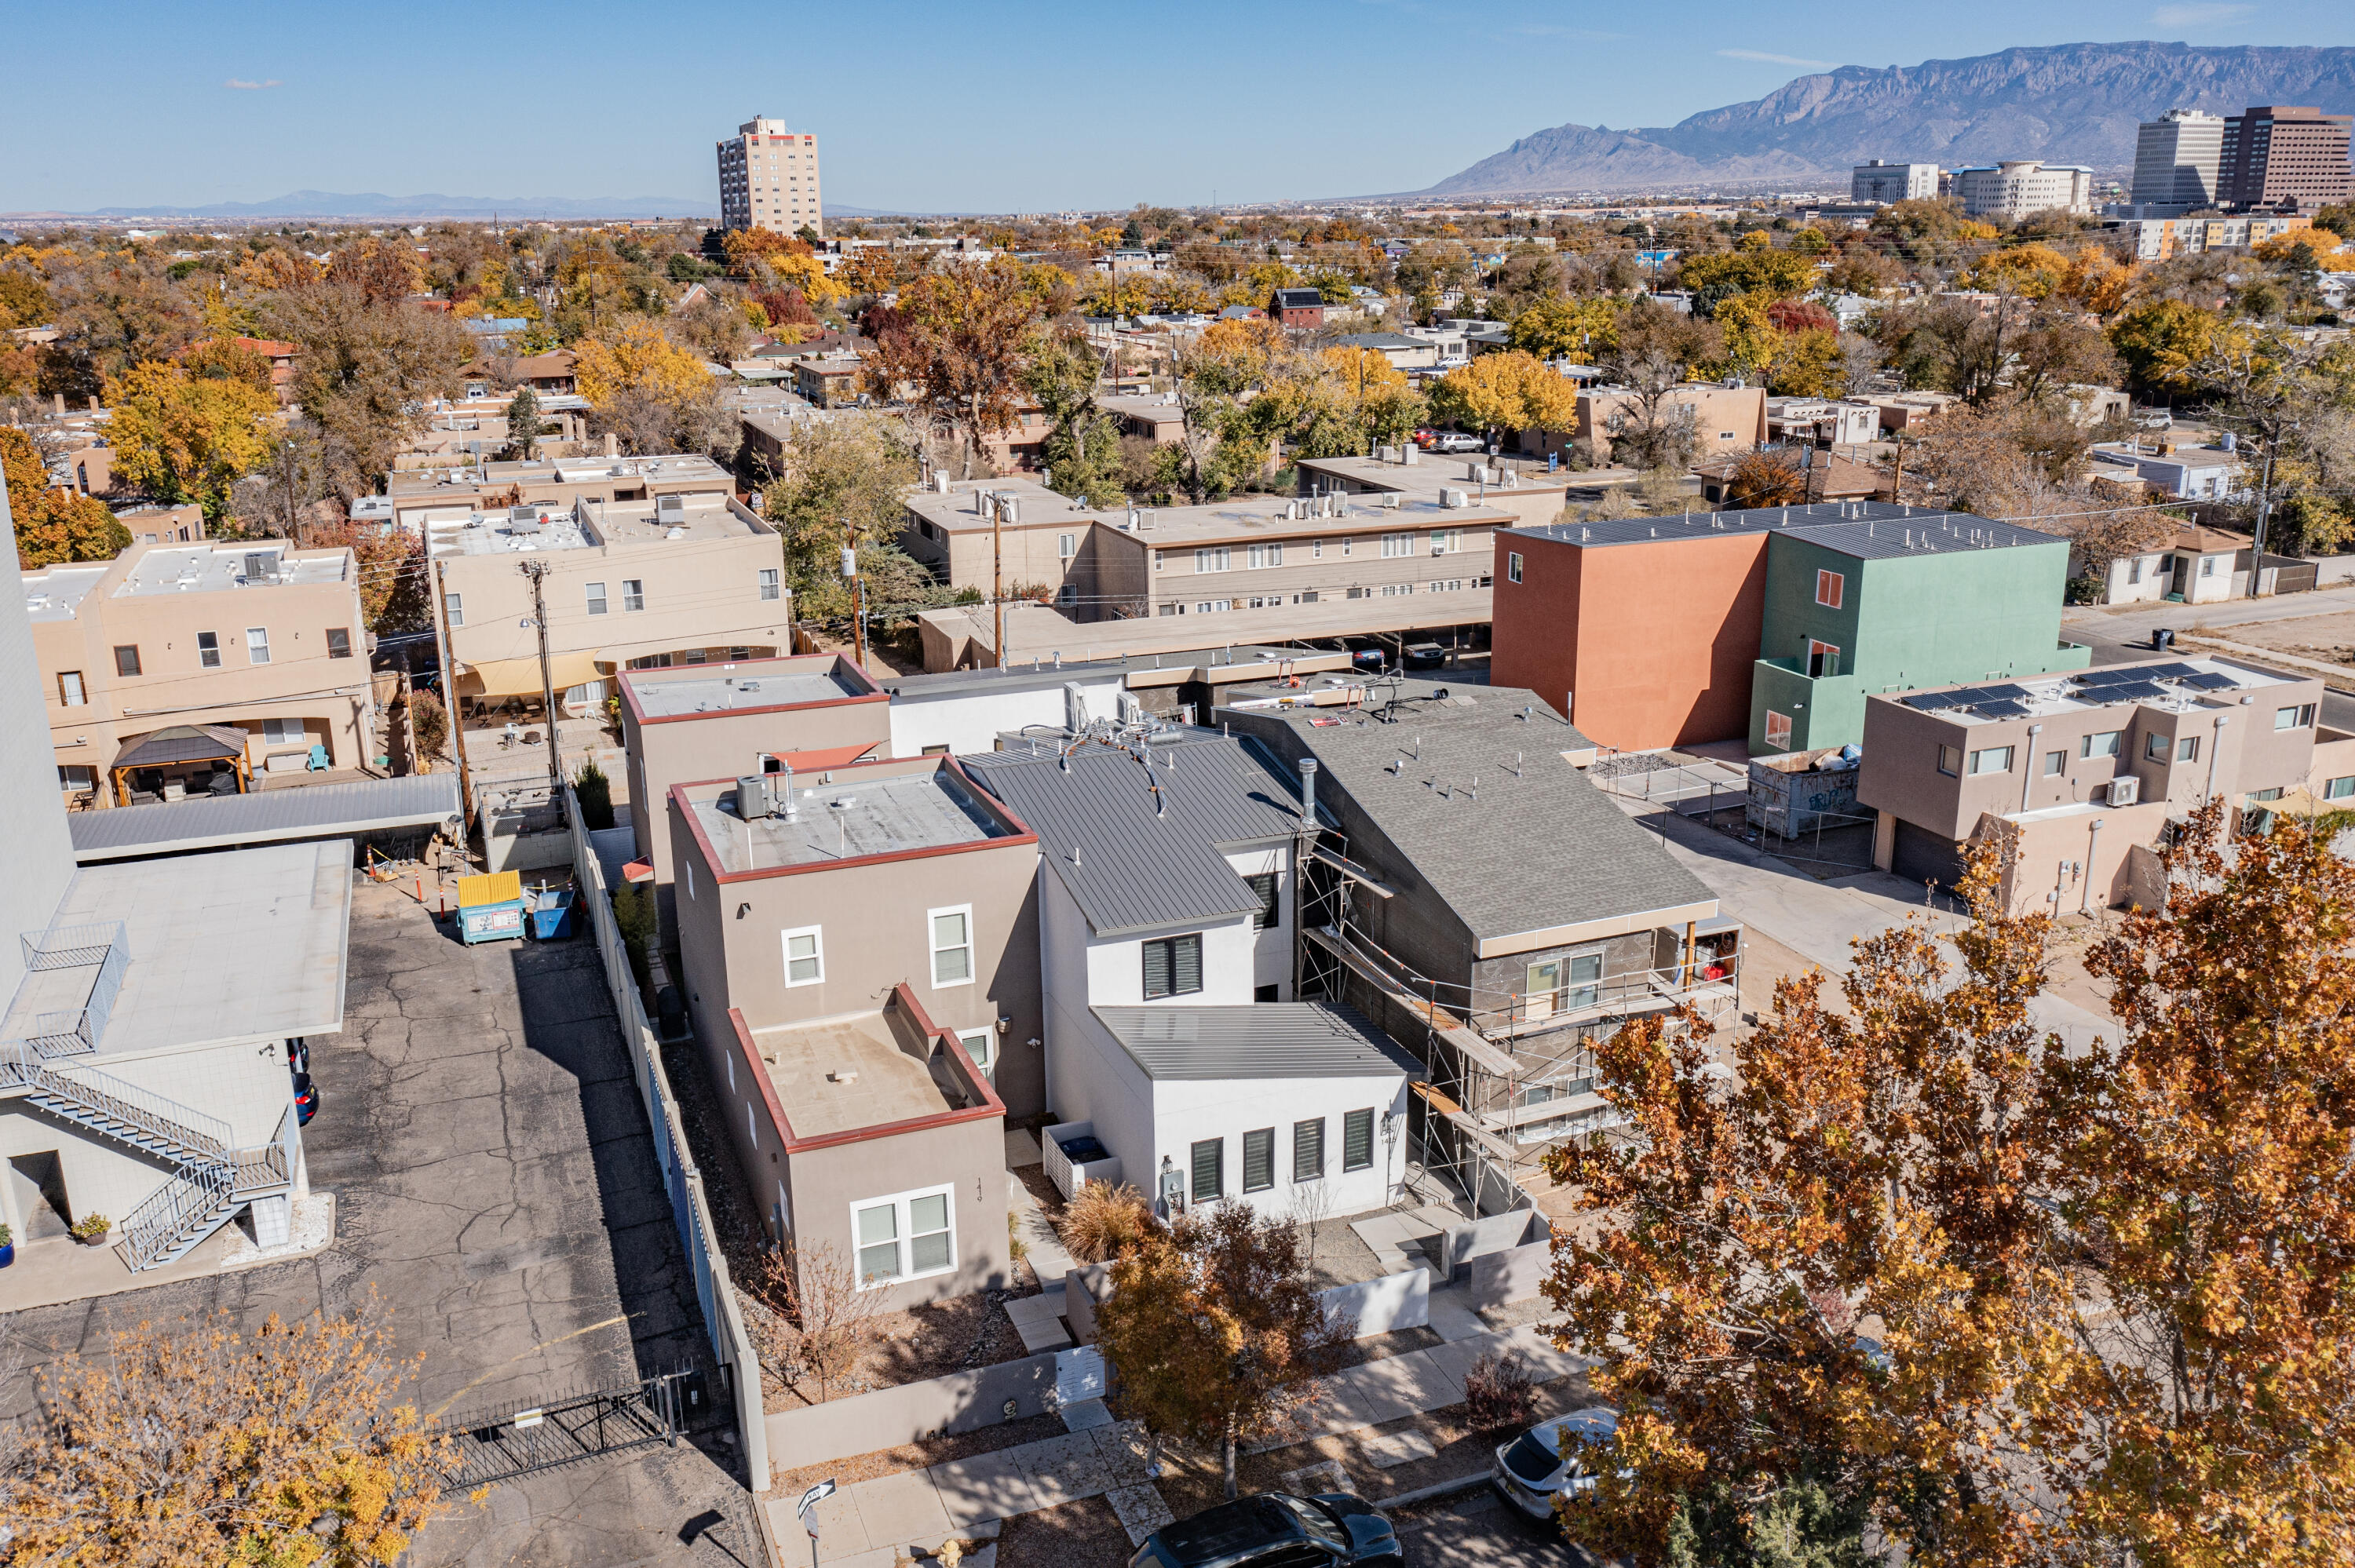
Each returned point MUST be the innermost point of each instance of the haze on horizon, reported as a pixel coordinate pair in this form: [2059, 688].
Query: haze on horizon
[925, 106]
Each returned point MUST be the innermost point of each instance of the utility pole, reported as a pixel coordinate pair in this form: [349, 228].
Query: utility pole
[997, 576]
[288, 449]
[2264, 514]
[451, 717]
[535, 571]
[858, 594]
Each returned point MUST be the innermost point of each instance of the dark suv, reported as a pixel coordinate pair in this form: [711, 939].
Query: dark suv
[1276, 1530]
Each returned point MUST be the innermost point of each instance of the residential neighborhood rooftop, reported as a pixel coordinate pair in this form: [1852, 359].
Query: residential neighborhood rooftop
[858, 816]
[729, 687]
[206, 569]
[523, 530]
[839, 1075]
[1258, 1040]
[1868, 530]
[2174, 685]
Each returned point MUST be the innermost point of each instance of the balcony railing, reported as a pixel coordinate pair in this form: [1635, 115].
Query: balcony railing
[102, 947]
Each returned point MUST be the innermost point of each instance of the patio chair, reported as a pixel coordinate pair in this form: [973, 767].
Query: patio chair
[318, 763]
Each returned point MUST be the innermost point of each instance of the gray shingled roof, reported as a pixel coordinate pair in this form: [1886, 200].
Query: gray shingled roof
[1868, 530]
[1136, 870]
[1540, 846]
[1256, 1040]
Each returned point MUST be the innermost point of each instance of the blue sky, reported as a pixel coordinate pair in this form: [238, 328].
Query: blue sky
[991, 107]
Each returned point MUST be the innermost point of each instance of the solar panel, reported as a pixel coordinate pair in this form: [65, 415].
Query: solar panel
[2007, 690]
[2170, 672]
[2001, 707]
[2211, 680]
[1930, 702]
[2137, 691]
[2104, 677]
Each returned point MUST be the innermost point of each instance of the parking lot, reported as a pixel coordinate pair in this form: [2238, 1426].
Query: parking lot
[497, 1190]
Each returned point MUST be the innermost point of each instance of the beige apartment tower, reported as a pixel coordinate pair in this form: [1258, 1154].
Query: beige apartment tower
[768, 179]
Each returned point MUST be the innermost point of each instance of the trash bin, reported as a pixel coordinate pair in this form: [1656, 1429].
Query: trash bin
[2163, 638]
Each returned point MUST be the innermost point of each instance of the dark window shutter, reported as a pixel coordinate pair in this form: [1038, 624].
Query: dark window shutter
[1258, 1159]
[1358, 1140]
[1308, 1150]
[1208, 1157]
[1263, 886]
[1156, 969]
[1186, 966]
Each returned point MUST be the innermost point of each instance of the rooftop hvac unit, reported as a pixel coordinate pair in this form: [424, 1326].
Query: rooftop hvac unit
[1476, 471]
[1410, 453]
[756, 797]
[523, 519]
[670, 508]
[260, 565]
[2125, 791]
[1454, 498]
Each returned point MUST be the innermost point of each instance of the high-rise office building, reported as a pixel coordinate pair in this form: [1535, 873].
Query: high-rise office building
[768, 179]
[2176, 159]
[1890, 183]
[2285, 157]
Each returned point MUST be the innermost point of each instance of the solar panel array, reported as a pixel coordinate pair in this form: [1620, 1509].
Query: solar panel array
[2131, 683]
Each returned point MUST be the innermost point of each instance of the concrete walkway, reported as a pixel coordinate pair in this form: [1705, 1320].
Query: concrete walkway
[873, 1523]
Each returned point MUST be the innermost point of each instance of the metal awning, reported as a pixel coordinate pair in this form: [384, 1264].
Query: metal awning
[179, 743]
[295, 813]
[521, 677]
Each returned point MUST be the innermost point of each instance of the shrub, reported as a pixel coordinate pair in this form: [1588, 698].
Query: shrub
[429, 724]
[1105, 1221]
[595, 793]
[1497, 1393]
[90, 1225]
[635, 915]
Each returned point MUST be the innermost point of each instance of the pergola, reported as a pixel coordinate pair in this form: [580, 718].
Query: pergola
[179, 744]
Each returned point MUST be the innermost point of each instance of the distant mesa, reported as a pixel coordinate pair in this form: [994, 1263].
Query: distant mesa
[2073, 103]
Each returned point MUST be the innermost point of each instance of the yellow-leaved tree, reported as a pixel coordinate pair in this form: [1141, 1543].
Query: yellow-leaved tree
[1511, 390]
[637, 359]
[187, 438]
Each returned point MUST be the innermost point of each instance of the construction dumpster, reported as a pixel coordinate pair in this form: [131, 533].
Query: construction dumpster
[1797, 794]
[491, 908]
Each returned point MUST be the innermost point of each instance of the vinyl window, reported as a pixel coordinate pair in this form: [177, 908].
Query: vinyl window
[1209, 1169]
[1950, 761]
[126, 660]
[209, 650]
[1066, 546]
[1258, 1159]
[2103, 745]
[2154, 749]
[256, 645]
[1173, 966]
[1308, 1150]
[339, 642]
[2187, 749]
[1830, 588]
[2298, 717]
[633, 594]
[2339, 788]
[1823, 660]
[1358, 1140]
[596, 592]
[952, 935]
[804, 956]
[2055, 762]
[1211, 561]
[454, 608]
[768, 586]
[1512, 565]
[1993, 760]
[979, 1045]
[1778, 730]
[1397, 544]
[907, 1236]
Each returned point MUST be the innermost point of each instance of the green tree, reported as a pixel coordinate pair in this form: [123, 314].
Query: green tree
[841, 483]
[524, 426]
[1080, 450]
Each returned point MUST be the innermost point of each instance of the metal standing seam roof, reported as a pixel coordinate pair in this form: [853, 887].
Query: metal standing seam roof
[303, 810]
[1485, 808]
[1256, 1040]
[1128, 868]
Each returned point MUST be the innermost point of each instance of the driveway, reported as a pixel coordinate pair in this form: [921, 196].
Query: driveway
[497, 1190]
[1476, 1530]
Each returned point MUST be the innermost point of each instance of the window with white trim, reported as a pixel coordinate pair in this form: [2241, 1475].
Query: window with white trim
[769, 584]
[1830, 588]
[454, 608]
[1512, 565]
[804, 956]
[256, 645]
[1778, 730]
[596, 595]
[1992, 759]
[952, 939]
[1397, 544]
[1213, 559]
[633, 594]
[979, 1045]
[908, 1236]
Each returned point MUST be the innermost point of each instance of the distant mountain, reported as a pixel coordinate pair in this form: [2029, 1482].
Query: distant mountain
[2073, 103]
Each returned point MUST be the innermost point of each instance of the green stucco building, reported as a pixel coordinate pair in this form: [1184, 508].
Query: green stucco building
[1892, 599]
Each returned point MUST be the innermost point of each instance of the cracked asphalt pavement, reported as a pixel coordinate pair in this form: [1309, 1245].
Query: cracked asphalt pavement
[496, 1188]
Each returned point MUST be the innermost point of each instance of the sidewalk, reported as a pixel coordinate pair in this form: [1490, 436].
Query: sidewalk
[872, 1523]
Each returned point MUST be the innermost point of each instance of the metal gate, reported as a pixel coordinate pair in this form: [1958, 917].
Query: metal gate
[505, 1442]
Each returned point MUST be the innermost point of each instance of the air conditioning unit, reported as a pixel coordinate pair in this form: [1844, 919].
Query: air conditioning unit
[756, 797]
[670, 508]
[1452, 498]
[2125, 791]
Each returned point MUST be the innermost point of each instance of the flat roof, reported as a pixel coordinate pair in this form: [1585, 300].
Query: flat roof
[749, 686]
[54, 593]
[958, 508]
[1868, 530]
[855, 817]
[1038, 632]
[2171, 685]
[839, 1075]
[666, 467]
[1434, 472]
[249, 944]
[216, 569]
[1255, 1040]
[700, 516]
[1173, 527]
[1478, 791]
[225, 822]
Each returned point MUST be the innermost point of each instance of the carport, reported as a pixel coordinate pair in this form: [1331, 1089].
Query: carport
[183, 746]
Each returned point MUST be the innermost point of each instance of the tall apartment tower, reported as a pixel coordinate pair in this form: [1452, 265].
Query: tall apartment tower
[2285, 157]
[768, 179]
[2176, 157]
[1892, 183]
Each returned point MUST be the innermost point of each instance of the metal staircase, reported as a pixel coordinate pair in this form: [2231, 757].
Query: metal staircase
[211, 1180]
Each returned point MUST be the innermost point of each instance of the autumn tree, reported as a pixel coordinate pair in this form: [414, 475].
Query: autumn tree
[53, 525]
[1214, 1332]
[956, 338]
[1766, 478]
[2163, 341]
[200, 1442]
[840, 481]
[1511, 390]
[652, 394]
[395, 584]
[183, 437]
[369, 362]
[1080, 450]
[1584, 329]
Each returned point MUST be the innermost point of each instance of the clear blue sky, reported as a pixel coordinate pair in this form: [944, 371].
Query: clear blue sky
[989, 107]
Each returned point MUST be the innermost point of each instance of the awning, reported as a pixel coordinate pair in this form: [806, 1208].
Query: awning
[184, 742]
[521, 677]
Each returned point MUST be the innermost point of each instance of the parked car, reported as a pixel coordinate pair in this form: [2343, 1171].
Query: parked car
[307, 1099]
[1425, 437]
[1276, 1530]
[1456, 441]
[1530, 1470]
[1427, 656]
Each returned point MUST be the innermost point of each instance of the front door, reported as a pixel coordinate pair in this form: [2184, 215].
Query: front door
[2182, 575]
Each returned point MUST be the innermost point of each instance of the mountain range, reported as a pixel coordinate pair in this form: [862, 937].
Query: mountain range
[2070, 103]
